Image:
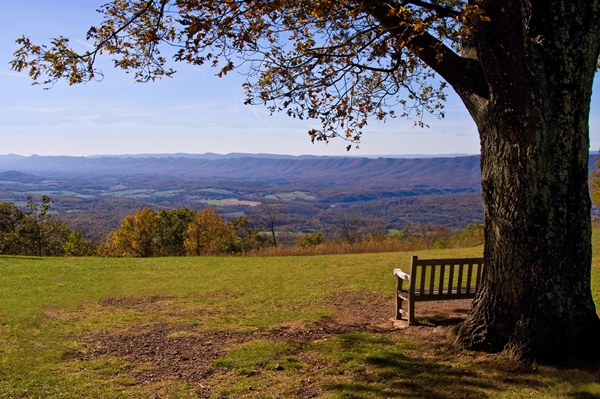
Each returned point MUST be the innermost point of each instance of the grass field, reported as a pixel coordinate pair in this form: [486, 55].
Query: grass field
[278, 327]
[295, 195]
[229, 202]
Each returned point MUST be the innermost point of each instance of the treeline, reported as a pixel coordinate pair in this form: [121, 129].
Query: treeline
[181, 232]
[186, 232]
[34, 232]
[95, 217]
[410, 238]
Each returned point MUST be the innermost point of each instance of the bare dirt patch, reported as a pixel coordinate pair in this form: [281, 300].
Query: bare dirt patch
[175, 352]
[437, 313]
[139, 303]
[185, 352]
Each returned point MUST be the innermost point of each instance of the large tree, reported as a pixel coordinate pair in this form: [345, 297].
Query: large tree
[138, 236]
[523, 68]
[209, 234]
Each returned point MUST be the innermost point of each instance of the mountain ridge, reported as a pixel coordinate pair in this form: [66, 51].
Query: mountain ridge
[321, 171]
[454, 172]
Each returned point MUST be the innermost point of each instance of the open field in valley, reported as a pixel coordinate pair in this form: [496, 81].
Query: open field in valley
[277, 327]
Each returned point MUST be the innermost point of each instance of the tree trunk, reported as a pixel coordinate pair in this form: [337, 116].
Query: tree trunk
[535, 300]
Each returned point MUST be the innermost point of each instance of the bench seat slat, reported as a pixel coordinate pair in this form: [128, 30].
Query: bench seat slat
[432, 279]
[422, 279]
[459, 286]
[469, 277]
[451, 277]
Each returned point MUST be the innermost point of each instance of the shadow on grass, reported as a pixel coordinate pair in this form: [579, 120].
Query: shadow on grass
[22, 257]
[584, 395]
[392, 369]
[437, 320]
[402, 376]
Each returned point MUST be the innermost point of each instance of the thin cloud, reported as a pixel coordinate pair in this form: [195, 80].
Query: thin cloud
[15, 74]
[84, 43]
[199, 105]
[43, 110]
[132, 115]
[81, 118]
[259, 112]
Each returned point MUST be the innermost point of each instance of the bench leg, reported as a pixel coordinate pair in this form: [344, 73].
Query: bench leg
[398, 315]
[411, 311]
[399, 300]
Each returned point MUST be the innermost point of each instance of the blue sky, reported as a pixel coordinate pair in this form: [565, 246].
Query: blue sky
[193, 112]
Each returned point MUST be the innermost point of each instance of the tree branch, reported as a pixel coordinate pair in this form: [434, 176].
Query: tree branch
[114, 34]
[465, 75]
[441, 11]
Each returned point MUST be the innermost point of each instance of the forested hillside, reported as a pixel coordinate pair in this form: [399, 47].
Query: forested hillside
[458, 172]
[93, 194]
[309, 194]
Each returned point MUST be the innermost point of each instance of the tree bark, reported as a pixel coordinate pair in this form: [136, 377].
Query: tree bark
[535, 301]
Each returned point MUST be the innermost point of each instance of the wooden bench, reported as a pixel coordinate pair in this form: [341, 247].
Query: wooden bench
[436, 280]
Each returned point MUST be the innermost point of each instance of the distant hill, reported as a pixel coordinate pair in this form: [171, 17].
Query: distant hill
[214, 156]
[443, 172]
[461, 172]
[211, 156]
[18, 177]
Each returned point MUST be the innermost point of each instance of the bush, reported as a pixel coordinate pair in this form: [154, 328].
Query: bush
[77, 246]
[471, 236]
[33, 232]
[441, 243]
[310, 240]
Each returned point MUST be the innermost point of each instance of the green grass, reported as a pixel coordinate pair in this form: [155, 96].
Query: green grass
[54, 192]
[36, 283]
[295, 195]
[10, 182]
[215, 190]
[48, 306]
[168, 193]
[228, 202]
[258, 355]
[130, 193]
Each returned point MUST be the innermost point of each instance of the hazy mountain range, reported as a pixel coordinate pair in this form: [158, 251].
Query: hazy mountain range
[443, 172]
[94, 193]
[460, 172]
[212, 155]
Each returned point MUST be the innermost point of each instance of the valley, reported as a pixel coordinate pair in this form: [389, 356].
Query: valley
[93, 195]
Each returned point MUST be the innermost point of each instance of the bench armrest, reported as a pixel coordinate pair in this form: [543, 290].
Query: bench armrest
[401, 274]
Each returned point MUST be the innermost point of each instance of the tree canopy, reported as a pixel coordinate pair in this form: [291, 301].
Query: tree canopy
[35, 232]
[338, 62]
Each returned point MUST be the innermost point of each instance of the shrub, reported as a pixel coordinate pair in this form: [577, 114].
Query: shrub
[310, 240]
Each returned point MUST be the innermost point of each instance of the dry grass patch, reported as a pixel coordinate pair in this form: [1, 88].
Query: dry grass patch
[355, 353]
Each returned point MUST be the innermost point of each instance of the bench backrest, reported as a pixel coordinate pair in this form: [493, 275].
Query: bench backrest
[445, 278]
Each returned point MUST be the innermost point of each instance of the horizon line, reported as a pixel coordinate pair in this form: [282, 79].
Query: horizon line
[242, 154]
